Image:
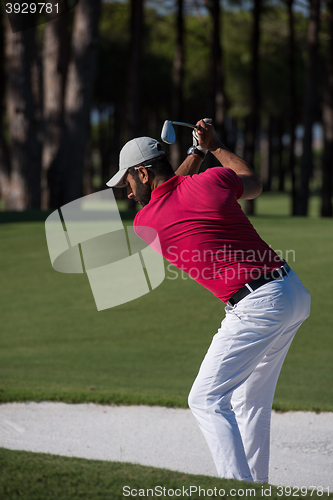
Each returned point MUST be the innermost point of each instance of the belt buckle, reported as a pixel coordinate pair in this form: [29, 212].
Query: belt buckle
[280, 271]
[284, 268]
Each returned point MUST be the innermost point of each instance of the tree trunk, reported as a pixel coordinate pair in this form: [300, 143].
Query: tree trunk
[280, 155]
[55, 63]
[265, 155]
[24, 184]
[135, 67]
[178, 78]
[105, 138]
[4, 153]
[66, 173]
[326, 201]
[252, 120]
[117, 122]
[88, 168]
[217, 95]
[309, 106]
[232, 131]
[292, 104]
[135, 74]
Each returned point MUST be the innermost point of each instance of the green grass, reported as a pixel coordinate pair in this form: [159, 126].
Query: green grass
[37, 476]
[54, 345]
[279, 204]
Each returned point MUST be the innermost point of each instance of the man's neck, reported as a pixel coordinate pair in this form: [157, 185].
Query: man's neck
[160, 180]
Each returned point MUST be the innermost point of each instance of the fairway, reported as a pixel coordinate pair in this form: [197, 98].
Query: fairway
[56, 346]
[37, 476]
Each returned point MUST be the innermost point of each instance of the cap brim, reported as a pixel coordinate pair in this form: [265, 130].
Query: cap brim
[117, 179]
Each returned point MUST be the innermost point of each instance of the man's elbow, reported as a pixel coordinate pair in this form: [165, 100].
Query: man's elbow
[257, 188]
[252, 188]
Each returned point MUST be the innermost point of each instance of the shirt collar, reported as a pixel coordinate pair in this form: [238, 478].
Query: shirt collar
[167, 186]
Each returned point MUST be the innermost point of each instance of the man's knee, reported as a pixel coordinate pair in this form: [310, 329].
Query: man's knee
[194, 401]
[200, 400]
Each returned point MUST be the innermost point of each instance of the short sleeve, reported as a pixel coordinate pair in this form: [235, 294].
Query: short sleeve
[227, 178]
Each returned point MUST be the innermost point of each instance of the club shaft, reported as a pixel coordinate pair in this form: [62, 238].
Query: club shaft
[184, 124]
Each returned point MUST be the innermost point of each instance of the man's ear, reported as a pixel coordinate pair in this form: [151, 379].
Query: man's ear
[143, 174]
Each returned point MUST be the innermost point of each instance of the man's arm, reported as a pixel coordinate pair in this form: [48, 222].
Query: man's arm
[209, 140]
[191, 165]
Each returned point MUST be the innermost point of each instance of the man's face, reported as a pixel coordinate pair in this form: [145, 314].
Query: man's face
[137, 189]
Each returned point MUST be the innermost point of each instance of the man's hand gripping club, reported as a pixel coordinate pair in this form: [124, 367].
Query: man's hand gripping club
[209, 140]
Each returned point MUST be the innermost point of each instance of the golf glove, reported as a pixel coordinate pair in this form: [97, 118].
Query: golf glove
[196, 137]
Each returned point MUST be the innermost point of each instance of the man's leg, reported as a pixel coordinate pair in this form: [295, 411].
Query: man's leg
[252, 401]
[209, 401]
[246, 335]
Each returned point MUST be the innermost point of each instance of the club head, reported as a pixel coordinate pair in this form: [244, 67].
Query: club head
[168, 133]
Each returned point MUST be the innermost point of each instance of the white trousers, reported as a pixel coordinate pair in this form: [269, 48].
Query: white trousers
[232, 395]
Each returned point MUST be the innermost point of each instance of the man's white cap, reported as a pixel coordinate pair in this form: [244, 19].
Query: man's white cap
[135, 152]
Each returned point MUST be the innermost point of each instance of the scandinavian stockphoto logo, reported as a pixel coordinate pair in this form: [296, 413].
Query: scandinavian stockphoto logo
[88, 236]
[24, 15]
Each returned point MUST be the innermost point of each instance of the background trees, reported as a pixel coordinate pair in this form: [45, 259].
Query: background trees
[327, 109]
[78, 87]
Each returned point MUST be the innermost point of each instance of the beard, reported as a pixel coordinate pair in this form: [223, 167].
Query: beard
[143, 193]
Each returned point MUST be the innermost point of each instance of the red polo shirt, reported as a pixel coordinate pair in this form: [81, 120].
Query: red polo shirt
[204, 232]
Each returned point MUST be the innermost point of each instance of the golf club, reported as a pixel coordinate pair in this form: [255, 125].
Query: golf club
[168, 132]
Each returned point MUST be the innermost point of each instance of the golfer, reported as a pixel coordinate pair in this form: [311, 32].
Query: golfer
[203, 231]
